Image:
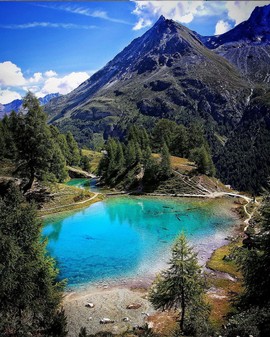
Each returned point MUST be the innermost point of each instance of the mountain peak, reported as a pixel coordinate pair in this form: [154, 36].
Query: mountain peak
[161, 18]
[261, 16]
[255, 30]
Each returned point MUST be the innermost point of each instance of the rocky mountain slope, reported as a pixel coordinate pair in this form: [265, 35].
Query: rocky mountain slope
[247, 46]
[171, 72]
[168, 73]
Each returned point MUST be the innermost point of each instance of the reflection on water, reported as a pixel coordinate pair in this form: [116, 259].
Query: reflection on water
[128, 236]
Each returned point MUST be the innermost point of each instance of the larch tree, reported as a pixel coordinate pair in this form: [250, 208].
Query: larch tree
[181, 286]
[165, 163]
[73, 157]
[39, 155]
[33, 142]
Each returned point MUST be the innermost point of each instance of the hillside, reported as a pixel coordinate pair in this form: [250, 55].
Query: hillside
[165, 73]
[174, 73]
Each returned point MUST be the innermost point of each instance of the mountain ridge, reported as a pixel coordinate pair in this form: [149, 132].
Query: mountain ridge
[247, 46]
[16, 104]
[169, 73]
[167, 51]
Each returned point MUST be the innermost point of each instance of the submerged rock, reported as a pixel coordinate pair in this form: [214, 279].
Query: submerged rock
[90, 305]
[106, 320]
[133, 306]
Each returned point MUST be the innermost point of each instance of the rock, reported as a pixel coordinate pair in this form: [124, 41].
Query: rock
[133, 306]
[90, 305]
[145, 314]
[106, 320]
[126, 319]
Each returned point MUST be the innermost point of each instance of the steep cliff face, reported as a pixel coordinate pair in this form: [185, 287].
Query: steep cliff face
[247, 46]
[168, 73]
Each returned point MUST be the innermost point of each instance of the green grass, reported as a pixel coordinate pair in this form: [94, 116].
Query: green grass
[218, 263]
[66, 198]
[94, 157]
[221, 306]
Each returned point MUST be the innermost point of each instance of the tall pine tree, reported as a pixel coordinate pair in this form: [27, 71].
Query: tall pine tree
[29, 293]
[181, 286]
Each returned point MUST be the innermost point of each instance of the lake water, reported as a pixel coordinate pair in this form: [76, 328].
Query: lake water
[132, 236]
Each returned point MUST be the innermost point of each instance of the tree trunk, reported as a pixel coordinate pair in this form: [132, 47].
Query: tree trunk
[29, 184]
[183, 311]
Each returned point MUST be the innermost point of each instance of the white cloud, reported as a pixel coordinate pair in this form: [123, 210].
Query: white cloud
[47, 25]
[7, 96]
[185, 11]
[181, 11]
[11, 74]
[50, 73]
[239, 11]
[222, 27]
[39, 83]
[85, 11]
[37, 77]
[63, 85]
[142, 23]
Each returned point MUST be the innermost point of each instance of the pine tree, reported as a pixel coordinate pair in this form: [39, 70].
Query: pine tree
[62, 142]
[165, 164]
[181, 286]
[253, 306]
[119, 157]
[147, 155]
[2, 141]
[196, 135]
[179, 145]
[138, 152]
[111, 153]
[202, 157]
[29, 292]
[58, 164]
[73, 157]
[164, 131]
[130, 154]
[34, 142]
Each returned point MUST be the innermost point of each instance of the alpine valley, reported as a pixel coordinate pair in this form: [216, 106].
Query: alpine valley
[172, 72]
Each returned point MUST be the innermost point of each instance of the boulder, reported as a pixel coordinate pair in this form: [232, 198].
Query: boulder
[133, 306]
[90, 305]
[106, 320]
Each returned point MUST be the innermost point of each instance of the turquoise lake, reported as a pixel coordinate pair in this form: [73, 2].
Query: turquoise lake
[132, 236]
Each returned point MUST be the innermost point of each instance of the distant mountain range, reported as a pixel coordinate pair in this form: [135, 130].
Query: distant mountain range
[16, 105]
[172, 72]
[247, 46]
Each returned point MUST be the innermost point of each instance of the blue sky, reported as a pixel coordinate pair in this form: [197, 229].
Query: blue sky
[54, 46]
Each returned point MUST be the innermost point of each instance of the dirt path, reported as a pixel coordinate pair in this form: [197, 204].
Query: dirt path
[74, 203]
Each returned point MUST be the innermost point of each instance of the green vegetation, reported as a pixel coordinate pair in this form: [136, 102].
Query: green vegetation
[130, 164]
[244, 162]
[252, 307]
[34, 149]
[181, 287]
[29, 293]
[67, 198]
[222, 261]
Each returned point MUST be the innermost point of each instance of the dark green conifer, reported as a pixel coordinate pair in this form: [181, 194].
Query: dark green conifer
[29, 293]
[165, 163]
[73, 157]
